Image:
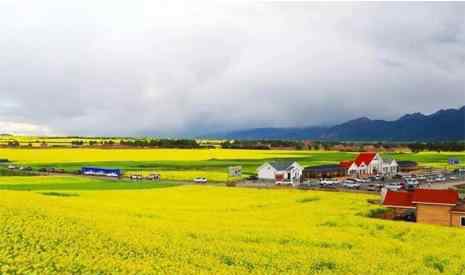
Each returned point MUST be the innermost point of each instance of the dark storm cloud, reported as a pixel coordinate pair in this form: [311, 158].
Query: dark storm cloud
[140, 67]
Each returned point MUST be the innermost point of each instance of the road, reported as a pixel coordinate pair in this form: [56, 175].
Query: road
[445, 185]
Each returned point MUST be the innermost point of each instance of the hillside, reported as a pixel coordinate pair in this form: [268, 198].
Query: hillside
[446, 124]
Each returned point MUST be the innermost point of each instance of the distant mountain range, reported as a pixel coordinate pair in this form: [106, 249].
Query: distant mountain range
[446, 124]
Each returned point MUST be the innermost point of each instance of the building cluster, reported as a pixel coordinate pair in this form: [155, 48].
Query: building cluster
[365, 164]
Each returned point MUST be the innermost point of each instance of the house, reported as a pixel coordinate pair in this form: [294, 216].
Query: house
[281, 171]
[453, 161]
[370, 163]
[324, 171]
[390, 166]
[431, 206]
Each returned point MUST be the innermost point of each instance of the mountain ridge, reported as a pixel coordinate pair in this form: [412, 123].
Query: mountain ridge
[445, 124]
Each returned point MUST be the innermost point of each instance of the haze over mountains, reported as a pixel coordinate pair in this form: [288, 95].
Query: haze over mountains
[446, 124]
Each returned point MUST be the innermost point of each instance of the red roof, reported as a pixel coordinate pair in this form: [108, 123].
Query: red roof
[399, 199]
[435, 196]
[365, 158]
[427, 196]
[345, 163]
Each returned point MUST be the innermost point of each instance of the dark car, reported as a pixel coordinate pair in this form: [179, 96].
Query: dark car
[252, 177]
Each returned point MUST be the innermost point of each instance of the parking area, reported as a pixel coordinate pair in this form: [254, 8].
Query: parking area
[406, 181]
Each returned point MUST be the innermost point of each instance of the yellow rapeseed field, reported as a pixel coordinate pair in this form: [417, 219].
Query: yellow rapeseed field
[61, 155]
[215, 230]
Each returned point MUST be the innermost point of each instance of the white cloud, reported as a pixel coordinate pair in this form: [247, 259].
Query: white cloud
[142, 67]
[24, 129]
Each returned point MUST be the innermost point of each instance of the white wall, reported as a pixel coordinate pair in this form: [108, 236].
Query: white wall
[266, 172]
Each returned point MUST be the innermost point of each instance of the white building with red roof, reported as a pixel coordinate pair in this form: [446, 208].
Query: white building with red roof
[371, 163]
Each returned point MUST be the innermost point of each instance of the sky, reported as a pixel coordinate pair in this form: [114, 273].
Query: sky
[134, 68]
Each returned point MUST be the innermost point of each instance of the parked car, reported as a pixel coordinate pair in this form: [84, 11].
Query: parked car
[393, 186]
[200, 180]
[411, 181]
[136, 177]
[374, 186]
[351, 184]
[153, 177]
[358, 180]
[453, 178]
[11, 167]
[329, 183]
[440, 179]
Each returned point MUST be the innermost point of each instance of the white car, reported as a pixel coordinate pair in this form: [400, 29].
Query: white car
[393, 186]
[136, 177]
[358, 180]
[200, 180]
[411, 181]
[351, 184]
[374, 186]
[328, 182]
[440, 179]
[453, 178]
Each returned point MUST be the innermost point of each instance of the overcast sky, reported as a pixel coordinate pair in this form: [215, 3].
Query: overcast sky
[135, 68]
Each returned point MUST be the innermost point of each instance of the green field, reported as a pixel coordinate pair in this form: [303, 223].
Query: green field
[33, 183]
[212, 230]
[186, 164]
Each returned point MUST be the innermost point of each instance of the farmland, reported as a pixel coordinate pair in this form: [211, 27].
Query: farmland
[102, 226]
[185, 164]
[216, 230]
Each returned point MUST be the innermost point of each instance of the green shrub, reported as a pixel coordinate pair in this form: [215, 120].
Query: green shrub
[308, 199]
[58, 194]
[323, 265]
[435, 263]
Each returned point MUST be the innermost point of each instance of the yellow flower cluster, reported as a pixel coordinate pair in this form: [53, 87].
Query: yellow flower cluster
[215, 230]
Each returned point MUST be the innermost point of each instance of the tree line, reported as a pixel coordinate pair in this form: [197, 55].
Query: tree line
[437, 146]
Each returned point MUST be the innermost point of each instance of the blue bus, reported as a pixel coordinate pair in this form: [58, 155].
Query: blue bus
[97, 171]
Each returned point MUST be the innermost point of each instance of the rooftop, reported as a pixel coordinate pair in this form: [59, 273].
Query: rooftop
[281, 165]
[421, 196]
[399, 199]
[346, 163]
[324, 168]
[365, 157]
[432, 196]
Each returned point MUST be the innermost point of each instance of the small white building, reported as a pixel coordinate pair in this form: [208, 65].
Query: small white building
[285, 171]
